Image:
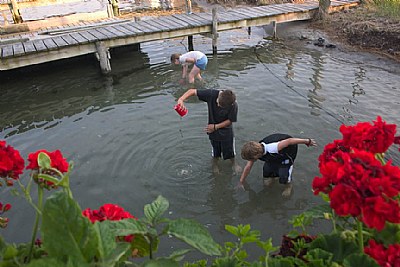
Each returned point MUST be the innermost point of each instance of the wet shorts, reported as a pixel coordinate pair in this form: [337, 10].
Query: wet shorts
[277, 169]
[202, 63]
[224, 148]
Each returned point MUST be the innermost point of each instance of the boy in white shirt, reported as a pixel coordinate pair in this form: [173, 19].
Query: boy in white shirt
[197, 58]
[278, 151]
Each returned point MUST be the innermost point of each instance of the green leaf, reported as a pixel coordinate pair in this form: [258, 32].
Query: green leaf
[155, 210]
[319, 254]
[110, 252]
[51, 262]
[66, 233]
[126, 227]
[44, 161]
[141, 244]
[318, 212]
[232, 229]
[339, 248]
[48, 178]
[160, 263]
[179, 254]
[359, 259]
[194, 234]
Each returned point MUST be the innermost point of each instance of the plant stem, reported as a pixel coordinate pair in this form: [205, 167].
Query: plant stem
[360, 236]
[36, 226]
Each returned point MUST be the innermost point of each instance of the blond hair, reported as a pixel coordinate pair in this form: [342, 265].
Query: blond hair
[252, 150]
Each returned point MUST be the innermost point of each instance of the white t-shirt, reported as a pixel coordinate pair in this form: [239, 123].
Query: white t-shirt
[192, 54]
[270, 148]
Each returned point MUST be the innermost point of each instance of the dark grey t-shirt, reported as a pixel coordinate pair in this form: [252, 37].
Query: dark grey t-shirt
[217, 114]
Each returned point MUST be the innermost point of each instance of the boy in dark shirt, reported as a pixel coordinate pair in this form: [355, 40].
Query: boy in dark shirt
[278, 151]
[222, 112]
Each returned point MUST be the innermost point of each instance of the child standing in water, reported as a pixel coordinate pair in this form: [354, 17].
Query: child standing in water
[222, 113]
[197, 58]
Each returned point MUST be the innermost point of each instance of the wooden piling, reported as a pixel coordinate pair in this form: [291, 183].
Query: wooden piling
[274, 29]
[16, 15]
[190, 42]
[103, 55]
[214, 30]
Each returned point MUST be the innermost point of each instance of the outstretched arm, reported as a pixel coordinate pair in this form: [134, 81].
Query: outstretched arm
[295, 141]
[246, 172]
[186, 95]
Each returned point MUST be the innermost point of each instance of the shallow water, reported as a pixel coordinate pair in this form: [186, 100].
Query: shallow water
[129, 145]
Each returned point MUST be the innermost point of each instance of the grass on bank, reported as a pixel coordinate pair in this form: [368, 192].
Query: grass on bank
[390, 8]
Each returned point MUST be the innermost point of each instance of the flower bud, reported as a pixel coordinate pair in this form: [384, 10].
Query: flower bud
[348, 235]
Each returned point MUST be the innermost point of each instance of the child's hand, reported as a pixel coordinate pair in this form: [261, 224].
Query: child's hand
[180, 103]
[210, 128]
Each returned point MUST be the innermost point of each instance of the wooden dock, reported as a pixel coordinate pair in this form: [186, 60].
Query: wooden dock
[99, 38]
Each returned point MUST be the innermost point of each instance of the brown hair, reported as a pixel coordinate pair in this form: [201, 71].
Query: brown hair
[174, 57]
[252, 150]
[226, 98]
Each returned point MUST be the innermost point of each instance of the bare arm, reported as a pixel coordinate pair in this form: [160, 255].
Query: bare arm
[213, 127]
[246, 172]
[184, 71]
[295, 141]
[186, 95]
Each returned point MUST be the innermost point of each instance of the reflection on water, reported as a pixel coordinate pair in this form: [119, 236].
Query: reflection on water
[129, 145]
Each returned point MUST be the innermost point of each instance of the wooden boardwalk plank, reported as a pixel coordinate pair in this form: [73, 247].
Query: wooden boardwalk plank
[110, 32]
[146, 26]
[50, 44]
[60, 42]
[186, 20]
[68, 38]
[18, 49]
[178, 24]
[270, 10]
[205, 16]
[161, 24]
[189, 19]
[81, 38]
[39, 45]
[250, 14]
[123, 30]
[29, 47]
[7, 51]
[97, 34]
[131, 28]
[259, 13]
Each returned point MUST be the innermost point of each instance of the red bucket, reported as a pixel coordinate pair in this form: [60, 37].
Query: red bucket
[181, 111]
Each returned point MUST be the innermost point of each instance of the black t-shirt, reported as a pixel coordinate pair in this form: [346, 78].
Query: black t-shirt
[289, 152]
[217, 114]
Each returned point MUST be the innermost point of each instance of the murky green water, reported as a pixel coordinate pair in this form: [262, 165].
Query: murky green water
[129, 145]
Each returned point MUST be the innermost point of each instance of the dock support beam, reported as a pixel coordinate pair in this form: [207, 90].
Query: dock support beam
[103, 55]
[190, 42]
[214, 30]
[274, 29]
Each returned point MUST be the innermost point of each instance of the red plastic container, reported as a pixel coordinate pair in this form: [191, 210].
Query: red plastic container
[181, 111]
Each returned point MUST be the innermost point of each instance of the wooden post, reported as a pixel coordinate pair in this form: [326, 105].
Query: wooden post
[103, 55]
[3, 13]
[190, 42]
[214, 30]
[323, 8]
[189, 6]
[114, 4]
[274, 29]
[138, 44]
[249, 30]
[16, 15]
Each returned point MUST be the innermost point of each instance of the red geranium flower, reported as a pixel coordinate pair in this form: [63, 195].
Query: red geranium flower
[11, 162]
[375, 138]
[110, 212]
[385, 257]
[56, 158]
